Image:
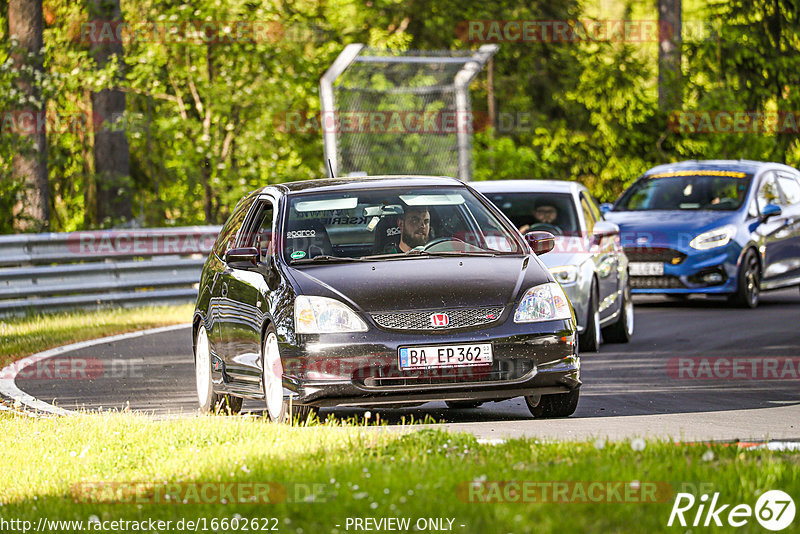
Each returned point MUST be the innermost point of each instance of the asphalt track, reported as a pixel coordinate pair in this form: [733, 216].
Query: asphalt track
[629, 390]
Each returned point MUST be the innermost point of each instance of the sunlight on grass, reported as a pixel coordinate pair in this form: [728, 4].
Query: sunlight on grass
[325, 473]
[23, 336]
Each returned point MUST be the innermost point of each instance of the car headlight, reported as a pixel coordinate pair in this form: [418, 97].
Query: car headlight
[714, 238]
[545, 302]
[321, 315]
[565, 275]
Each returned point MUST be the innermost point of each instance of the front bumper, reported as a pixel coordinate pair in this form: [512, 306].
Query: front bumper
[690, 275]
[363, 370]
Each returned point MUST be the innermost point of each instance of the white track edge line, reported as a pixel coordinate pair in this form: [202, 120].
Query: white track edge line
[8, 374]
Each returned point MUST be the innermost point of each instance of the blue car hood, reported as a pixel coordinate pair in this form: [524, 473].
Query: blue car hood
[673, 227]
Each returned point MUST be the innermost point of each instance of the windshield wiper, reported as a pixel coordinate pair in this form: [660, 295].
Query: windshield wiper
[389, 256]
[457, 253]
[418, 252]
[325, 259]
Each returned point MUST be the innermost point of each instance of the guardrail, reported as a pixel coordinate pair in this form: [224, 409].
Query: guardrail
[48, 272]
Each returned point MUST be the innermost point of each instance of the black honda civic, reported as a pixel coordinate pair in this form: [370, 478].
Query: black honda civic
[382, 292]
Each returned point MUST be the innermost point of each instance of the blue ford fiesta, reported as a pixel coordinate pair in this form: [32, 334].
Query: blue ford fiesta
[712, 227]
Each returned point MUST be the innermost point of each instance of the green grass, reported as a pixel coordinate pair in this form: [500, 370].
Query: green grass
[330, 473]
[23, 336]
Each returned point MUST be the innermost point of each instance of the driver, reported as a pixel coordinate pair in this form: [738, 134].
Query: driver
[544, 212]
[415, 228]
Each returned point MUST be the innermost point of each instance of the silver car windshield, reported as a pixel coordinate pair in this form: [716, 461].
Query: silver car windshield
[392, 224]
[549, 212]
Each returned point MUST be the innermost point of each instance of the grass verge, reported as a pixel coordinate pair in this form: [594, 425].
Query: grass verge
[23, 336]
[109, 467]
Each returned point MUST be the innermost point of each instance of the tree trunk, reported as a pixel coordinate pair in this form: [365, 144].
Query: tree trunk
[32, 212]
[669, 54]
[111, 153]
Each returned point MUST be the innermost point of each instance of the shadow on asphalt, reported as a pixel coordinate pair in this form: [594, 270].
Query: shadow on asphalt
[620, 380]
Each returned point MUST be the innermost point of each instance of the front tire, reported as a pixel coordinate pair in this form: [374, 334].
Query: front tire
[589, 340]
[748, 282]
[210, 401]
[279, 409]
[622, 330]
[558, 405]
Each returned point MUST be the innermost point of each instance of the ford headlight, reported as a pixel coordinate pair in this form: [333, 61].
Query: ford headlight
[321, 315]
[565, 275]
[545, 302]
[714, 238]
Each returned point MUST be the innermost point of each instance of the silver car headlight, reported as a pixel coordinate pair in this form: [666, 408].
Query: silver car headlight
[321, 315]
[565, 274]
[714, 238]
[544, 302]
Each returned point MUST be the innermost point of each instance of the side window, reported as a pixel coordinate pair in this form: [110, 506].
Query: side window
[588, 214]
[790, 187]
[227, 236]
[768, 192]
[259, 232]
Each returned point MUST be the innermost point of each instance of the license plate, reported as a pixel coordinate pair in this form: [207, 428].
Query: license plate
[646, 268]
[445, 356]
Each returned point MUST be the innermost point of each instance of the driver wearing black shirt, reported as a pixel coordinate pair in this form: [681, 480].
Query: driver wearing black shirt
[544, 213]
[415, 227]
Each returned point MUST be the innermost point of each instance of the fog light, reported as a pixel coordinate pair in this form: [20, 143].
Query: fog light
[713, 278]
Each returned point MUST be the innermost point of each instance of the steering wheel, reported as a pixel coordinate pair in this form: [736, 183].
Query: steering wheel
[442, 240]
[546, 227]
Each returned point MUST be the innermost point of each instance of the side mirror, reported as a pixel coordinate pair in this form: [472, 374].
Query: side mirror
[605, 229]
[541, 242]
[770, 210]
[242, 258]
[605, 207]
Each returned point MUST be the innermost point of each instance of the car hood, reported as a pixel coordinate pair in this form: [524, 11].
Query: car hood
[667, 226]
[423, 283]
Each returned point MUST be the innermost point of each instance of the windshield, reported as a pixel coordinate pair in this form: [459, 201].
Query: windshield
[549, 212]
[391, 224]
[687, 190]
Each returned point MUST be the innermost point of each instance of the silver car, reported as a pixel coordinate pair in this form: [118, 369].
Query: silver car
[587, 260]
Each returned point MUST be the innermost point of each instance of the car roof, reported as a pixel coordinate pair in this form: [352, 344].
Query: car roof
[361, 182]
[740, 165]
[528, 186]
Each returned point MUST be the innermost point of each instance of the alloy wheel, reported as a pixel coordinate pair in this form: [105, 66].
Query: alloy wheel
[202, 366]
[273, 377]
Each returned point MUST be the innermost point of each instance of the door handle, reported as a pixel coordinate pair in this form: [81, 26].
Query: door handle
[224, 289]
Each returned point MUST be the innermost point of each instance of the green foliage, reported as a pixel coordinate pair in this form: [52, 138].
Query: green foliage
[754, 66]
[204, 119]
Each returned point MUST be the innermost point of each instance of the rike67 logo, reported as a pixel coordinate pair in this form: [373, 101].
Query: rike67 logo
[774, 510]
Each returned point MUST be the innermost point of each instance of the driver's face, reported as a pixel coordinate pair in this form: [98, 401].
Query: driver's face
[415, 227]
[546, 214]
